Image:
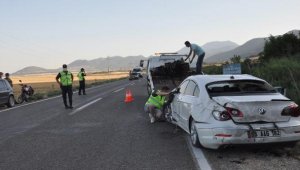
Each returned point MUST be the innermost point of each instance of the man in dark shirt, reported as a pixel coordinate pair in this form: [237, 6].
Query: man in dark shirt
[66, 81]
[8, 79]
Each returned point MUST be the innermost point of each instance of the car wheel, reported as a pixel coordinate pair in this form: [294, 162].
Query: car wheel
[11, 101]
[194, 135]
[149, 89]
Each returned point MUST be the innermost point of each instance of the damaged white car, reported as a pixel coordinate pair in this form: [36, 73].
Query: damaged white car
[218, 110]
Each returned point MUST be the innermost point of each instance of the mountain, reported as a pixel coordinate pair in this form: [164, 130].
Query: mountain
[213, 48]
[34, 70]
[100, 64]
[216, 47]
[104, 64]
[250, 48]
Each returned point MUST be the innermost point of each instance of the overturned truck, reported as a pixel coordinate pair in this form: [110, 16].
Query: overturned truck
[167, 69]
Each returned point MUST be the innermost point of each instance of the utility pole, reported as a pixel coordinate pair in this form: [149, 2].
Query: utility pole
[107, 59]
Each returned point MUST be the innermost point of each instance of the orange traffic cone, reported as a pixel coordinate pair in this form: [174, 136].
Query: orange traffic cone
[128, 97]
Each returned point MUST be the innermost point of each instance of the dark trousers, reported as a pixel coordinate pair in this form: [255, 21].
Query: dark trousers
[81, 87]
[199, 63]
[64, 91]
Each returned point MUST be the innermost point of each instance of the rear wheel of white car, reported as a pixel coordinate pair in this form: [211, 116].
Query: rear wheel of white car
[11, 101]
[194, 135]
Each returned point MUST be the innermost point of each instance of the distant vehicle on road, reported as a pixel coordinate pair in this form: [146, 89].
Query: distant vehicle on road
[6, 94]
[219, 110]
[135, 73]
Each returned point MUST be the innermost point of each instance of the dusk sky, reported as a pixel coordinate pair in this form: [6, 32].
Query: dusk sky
[48, 33]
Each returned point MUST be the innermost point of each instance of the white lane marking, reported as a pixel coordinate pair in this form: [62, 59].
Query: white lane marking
[198, 156]
[132, 84]
[15, 107]
[84, 106]
[119, 90]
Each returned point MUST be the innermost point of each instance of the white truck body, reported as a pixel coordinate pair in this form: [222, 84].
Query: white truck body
[159, 74]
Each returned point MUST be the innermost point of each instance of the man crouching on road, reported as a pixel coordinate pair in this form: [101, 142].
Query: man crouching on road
[66, 81]
[155, 103]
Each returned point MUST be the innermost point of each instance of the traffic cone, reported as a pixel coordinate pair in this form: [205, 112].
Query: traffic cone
[128, 97]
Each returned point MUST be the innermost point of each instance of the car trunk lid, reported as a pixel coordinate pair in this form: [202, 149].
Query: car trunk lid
[265, 108]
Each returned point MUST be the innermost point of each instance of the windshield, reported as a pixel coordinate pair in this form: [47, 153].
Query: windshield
[238, 87]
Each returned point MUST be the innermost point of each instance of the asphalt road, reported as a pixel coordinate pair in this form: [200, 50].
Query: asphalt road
[103, 132]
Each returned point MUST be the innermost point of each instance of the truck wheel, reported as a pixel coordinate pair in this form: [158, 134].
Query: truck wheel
[11, 101]
[194, 135]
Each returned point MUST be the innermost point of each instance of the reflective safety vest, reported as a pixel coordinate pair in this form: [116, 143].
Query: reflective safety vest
[66, 78]
[80, 77]
[157, 101]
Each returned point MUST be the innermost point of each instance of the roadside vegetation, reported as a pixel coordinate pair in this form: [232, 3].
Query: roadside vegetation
[279, 64]
[45, 85]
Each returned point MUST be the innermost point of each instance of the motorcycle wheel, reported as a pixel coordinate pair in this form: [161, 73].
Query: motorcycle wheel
[20, 99]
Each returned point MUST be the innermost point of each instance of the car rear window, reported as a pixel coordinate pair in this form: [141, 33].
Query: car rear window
[241, 87]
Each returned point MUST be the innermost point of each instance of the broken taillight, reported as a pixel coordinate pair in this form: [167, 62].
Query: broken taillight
[234, 112]
[221, 116]
[291, 110]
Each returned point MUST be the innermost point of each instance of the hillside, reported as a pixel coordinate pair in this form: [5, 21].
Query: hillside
[250, 48]
[100, 64]
[213, 48]
[34, 70]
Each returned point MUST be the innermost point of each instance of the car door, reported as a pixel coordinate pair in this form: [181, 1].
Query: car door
[3, 92]
[176, 104]
[188, 101]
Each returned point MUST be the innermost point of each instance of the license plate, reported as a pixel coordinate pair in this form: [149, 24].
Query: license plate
[263, 133]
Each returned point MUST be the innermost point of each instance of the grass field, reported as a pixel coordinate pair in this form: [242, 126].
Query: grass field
[45, 85]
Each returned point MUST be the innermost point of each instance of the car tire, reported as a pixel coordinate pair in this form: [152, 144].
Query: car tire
[149, 90]
[194, 135]
[11, 101]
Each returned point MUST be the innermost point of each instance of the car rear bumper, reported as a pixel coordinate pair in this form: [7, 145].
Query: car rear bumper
[238, 134]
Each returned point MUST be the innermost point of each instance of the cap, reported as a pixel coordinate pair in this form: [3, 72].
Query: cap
[64, 66]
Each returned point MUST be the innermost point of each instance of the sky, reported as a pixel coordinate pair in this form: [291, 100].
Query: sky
[49, 33]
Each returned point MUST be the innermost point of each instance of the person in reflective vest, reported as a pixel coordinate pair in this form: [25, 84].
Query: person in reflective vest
[155, 103]
[81, 79]
[65, 81]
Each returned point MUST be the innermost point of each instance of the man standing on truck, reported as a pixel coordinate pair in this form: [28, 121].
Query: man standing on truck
[155, 103]
[196, 50]
[66, 81]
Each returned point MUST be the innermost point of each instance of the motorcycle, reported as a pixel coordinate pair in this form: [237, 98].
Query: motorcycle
[26, 92]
